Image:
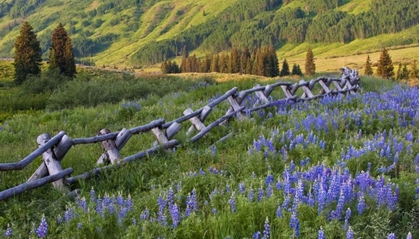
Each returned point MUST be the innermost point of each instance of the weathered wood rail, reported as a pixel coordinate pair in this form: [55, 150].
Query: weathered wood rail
[54, 149]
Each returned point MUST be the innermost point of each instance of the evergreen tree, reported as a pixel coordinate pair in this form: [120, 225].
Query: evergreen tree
[368, 67]
[214, 67]
[234, 61]
[184, 54]
[246, 55]
[309, 63]
[272, 62]
[296, 70]
[164, 67]
[27, 54]
[404, 73]
[385, 67]
[414, 73]
[70, 65]
[285, 69]
[61, 52]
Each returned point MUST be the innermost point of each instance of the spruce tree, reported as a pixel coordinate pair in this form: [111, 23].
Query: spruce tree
[214, 67]
[272, 62]
[405, 73]
[234, 61]
[27, 54]
[385, 67]
[309, 63]
[285, 69]
[61, 52]
[368, 67]
[184, 54]
[246, 55]
[414, 73]
[296, 70]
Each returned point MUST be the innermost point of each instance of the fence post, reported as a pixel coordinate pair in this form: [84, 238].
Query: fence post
[110, 147]
[195, 121]
[59, 151]
[51, 162]
[123, 136]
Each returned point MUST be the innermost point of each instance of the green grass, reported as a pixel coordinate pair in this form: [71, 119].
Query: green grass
[144, 181]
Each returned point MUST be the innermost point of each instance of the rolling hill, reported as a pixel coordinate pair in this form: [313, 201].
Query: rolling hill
[142, 34]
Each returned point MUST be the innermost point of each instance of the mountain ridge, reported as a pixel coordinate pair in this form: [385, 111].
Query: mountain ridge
[129, 33]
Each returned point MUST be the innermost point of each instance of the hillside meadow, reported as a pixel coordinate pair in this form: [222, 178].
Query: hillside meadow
[336, 167]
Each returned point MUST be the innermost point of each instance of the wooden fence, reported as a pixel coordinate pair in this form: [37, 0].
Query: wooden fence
[53, 149]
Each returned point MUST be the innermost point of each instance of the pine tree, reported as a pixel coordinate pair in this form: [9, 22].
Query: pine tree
[214, 67]
[246, 55]
[405, 73]
[285, 69]
[164, 67]
[184, 54]
[272, 62]
[70, 65]
[296, 70]
[414, 73]
[234, 61]
[61, 52]
[368, 67]
[27, 54]
[385, 67]
[309, 63]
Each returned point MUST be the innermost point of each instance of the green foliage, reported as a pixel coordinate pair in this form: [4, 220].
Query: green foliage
[27, 54]
[285, 69]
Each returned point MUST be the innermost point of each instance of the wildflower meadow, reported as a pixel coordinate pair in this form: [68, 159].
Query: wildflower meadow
[343, 166]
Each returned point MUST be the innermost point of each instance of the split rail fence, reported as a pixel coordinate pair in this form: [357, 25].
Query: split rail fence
[53, 149]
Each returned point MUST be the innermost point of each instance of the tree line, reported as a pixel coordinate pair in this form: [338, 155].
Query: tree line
[385, 68]
[318, 21]
[28, 53]
[262, 61]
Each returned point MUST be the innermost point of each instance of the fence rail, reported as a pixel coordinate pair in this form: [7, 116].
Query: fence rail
[54, 149]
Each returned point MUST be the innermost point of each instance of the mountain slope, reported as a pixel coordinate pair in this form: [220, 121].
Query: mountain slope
[132, 33]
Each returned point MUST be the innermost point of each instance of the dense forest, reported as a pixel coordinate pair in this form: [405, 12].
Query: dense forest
[96, 25]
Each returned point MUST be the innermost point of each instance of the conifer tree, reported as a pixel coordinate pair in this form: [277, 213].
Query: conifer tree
[214, 67]
[234, 61]
[296, 70]
[309, 63]
[285, 69]
[368, 67]
[27, 54]
[404, 73]
[246, 55]
[272, 62]
[385, 67]
[184, 54]
[61, 52]
[414, 73]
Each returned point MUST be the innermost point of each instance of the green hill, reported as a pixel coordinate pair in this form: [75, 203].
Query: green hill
[145, 32]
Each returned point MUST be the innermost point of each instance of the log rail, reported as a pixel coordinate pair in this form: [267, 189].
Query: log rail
[53, 149]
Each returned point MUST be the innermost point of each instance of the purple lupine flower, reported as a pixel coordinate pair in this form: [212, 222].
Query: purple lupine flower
[349, 234]
[279, 185]
[42, 229]
[134, 221]
[266, 232]
[409, 236]
[82, 203]
[214, 211]
[409, 136]
[251, 195]
[241, 188]
[227, 188]
[175, 214]
[92, 195]
[321, 198]
[361, 205]
[213, 150]
[161, 216]
[269, 191]
[269, 179]
[8, 232]
[193, 200]
[260, 194]
[79, 225]
[391, 236]
[232, 204]
[321, 234]
[69, 214]
[340, 205]
[256, 235]
[122, 214]
[294, 224]
[279, 212]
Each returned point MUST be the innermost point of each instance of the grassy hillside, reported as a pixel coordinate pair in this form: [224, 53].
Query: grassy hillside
[118, 33]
